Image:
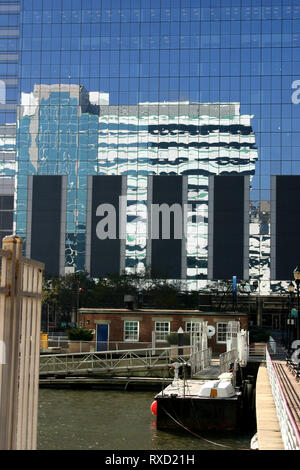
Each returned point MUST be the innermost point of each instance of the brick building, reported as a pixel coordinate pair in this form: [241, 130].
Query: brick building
[137, 326]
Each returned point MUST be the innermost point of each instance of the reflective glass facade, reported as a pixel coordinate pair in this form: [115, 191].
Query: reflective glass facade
[140, 88]
[9, 74]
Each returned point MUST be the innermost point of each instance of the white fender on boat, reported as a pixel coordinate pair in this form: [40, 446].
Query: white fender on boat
[217, 389]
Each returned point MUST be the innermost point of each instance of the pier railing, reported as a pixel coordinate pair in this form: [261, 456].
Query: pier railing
[111, 361]
[289, 430]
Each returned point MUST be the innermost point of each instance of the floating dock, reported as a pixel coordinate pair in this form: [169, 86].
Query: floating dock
[182, 405]
[102, 383]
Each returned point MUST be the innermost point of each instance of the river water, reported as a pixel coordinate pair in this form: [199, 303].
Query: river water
[115, 420]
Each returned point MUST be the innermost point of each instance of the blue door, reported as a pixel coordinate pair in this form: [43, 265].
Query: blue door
[102, 337]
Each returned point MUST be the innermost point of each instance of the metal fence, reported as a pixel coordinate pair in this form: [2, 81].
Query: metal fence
[110, 361]
[64, 345]
[227, 358]
[289, 431]
[257, 351]
[200, 360]
[61, 344]
[20, 315]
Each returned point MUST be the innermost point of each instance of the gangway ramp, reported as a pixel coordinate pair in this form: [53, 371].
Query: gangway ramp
[145, 362]
[211, 372]
[139, 361]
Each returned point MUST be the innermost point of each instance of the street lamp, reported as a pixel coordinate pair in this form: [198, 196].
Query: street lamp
[291, 287]
[290, 320]
[257, 299]
[297, 280]
[242, 288]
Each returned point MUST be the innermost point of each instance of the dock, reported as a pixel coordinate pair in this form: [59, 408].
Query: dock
[85, 379]
[268, 429]
[102, 383]
[277, 406]
[277, 394]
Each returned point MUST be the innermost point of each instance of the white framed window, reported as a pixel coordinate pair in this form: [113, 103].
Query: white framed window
[193, 326]
[162, 330]
[221, 332]
[131, 330]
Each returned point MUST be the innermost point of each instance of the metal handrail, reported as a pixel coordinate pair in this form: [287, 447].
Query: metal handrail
[200, 360]
[64, 343]
[289, 430]
[227, 358]
[259, 350]
[109, 360]
[112, 351]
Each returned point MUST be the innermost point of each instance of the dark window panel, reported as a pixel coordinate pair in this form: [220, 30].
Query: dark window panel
[105, 254]
[166, 254]
[6, 202]
[287, 226]
[46, 221]
[6, 220]
[228, 227]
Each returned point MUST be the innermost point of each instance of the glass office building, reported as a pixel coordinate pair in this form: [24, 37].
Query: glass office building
[9, 74]
[188, 102]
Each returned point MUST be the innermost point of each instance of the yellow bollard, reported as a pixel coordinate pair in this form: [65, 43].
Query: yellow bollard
[44, 341]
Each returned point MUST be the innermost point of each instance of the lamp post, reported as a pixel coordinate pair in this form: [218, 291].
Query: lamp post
[242, 286]
[297, 280]
[289, 320]
[77, 290]
[258, 312]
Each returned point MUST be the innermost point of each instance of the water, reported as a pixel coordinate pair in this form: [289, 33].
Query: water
[114, 420]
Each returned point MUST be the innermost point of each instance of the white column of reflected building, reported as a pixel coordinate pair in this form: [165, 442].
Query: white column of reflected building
[9, 60]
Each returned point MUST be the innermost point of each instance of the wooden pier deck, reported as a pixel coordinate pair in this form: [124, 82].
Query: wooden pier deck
[268, 430]
[291, 389]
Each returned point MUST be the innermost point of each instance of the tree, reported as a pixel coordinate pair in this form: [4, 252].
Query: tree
[80, 334]
[66, 294]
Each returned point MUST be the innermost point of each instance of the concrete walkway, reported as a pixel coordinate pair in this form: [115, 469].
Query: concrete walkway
[268, 430]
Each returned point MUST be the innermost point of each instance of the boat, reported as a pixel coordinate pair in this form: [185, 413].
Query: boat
[199, 405]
